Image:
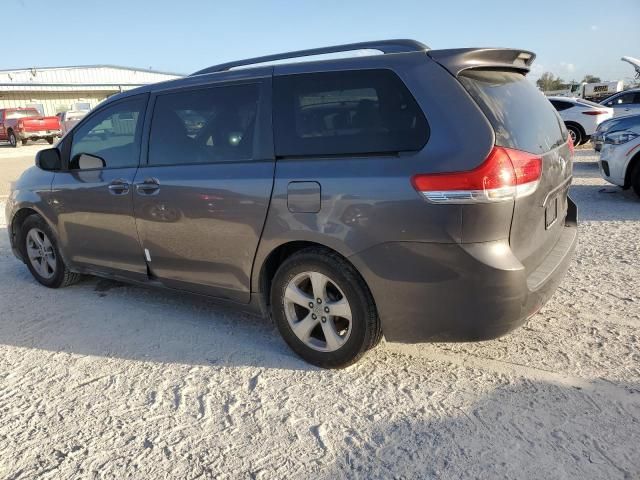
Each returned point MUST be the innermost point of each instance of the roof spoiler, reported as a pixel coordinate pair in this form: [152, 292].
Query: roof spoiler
[460, 59]
[384, 46]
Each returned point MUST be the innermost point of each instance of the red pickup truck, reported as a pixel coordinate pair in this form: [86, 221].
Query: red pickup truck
[19, 125]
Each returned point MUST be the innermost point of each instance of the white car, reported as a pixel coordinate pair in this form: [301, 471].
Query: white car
[69, 118]
[581, 117]
[620, 157]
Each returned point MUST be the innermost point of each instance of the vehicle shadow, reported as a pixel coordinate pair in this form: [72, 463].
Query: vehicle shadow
[521, 429]
[605, 203]
[107, 318]
[39, 143]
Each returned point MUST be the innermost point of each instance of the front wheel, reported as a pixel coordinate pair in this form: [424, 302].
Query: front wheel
[323, 309]
[42, 256]
[50, 140]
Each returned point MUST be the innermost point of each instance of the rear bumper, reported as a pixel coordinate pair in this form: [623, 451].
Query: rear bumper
[24, 135]
[460, 292]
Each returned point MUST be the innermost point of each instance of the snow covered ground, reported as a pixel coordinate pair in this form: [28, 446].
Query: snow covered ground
[105, 380]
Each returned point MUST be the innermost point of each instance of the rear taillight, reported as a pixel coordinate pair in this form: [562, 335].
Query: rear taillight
[506, 174]
[595, 112]
[572, 147]
[20, 125]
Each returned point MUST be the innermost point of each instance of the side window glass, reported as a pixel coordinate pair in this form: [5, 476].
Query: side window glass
[204, 126]
[624, 99]
[346, 112]
[112, 134]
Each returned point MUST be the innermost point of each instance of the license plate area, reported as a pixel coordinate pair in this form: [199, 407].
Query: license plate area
[551, 212]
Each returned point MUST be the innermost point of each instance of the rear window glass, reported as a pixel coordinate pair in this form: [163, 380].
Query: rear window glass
[520, 114]
[561, 105]
[13, 114]
[347, 112]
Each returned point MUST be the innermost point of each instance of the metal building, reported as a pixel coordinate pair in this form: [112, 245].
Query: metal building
[56, 89]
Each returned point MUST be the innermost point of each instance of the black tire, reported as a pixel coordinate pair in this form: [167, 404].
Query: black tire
[576, 134]
[24, 142]
[365, 329]
[62, 276]
[13, 140]
[635, 179]
[50, 140]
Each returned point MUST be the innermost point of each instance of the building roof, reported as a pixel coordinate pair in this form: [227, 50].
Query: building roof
[86, 77]
[105, 65]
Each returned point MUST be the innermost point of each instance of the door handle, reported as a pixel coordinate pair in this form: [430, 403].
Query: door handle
[119, 187]
[149, 186]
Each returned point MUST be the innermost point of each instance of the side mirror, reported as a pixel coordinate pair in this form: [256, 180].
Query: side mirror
[49, 159]
[86, 161]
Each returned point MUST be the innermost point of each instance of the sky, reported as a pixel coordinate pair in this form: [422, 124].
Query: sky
[571, 39]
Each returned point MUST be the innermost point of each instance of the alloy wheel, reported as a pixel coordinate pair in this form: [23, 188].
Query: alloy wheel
[574, 135]
[318, 311]
[41, 254]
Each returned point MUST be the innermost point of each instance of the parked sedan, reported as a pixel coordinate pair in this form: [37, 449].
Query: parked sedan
[620, 157]
[69, 118]
[611, 125]
[581, 117]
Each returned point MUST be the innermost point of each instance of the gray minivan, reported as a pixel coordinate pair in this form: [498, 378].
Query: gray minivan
[416, 193]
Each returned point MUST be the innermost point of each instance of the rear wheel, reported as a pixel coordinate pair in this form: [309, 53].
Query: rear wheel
[42, 256]
[13, 140]
[24, 142]
[50, 140]
[575, 133]
[323, 309]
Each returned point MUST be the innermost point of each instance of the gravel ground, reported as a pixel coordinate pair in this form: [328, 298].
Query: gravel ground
[104, 380]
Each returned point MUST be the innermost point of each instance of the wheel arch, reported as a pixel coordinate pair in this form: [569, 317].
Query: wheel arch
[16, 225]
[279, 254]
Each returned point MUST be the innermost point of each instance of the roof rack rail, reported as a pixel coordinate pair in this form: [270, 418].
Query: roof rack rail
[385, 46]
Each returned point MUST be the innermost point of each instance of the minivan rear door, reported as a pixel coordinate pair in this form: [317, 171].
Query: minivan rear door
[523, 119]
[201, 197]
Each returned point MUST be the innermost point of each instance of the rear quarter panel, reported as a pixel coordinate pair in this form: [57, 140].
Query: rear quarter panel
[366, 201]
